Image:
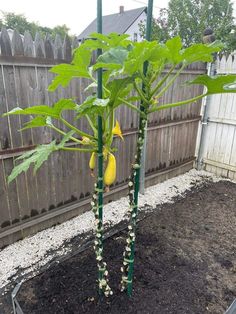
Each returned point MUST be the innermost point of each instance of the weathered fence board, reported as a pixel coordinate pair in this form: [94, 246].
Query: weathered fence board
[63, 183]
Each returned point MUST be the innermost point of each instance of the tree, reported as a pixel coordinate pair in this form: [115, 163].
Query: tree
[159, 27]
[21, 24]
[189, 19]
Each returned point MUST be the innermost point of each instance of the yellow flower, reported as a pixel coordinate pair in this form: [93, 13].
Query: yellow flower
[117, 131]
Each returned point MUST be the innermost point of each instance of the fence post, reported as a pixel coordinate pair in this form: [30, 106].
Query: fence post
[208, 37]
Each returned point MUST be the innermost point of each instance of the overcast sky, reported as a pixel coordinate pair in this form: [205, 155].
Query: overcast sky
[75, 14]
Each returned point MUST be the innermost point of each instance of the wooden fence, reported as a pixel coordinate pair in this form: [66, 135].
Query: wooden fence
[219, 138]
[61, 188]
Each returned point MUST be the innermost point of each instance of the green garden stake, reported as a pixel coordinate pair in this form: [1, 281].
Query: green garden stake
[97, 199]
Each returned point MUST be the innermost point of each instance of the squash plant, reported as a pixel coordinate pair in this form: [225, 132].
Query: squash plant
[127, 66]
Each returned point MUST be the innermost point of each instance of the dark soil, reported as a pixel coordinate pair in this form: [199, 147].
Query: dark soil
[185, 264]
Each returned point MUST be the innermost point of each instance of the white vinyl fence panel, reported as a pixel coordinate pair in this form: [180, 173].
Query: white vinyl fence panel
[219, 152]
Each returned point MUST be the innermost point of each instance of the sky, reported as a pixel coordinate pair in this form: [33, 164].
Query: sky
[77, 15]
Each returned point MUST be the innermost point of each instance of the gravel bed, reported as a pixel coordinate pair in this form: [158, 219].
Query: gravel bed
[30, 254]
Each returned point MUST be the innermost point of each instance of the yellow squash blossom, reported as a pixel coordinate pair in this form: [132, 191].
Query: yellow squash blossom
[117, 131]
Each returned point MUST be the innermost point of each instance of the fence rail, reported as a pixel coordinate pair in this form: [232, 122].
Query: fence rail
[62, 186]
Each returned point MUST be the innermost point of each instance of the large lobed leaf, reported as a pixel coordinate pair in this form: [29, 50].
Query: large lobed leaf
[65, 73]
[37, 156]
[43, 110]
[217, 84]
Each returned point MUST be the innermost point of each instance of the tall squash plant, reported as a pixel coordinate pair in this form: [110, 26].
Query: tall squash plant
[127, 66]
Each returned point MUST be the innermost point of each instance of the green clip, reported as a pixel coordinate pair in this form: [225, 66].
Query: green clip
[100, 178]
[128, 260]
[100, 154]
[126, 280]
[98, 190]
[100, 206]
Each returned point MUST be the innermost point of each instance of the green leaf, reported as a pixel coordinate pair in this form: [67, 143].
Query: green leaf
[82, 57]
[39, 121]
[200, 52]
[54, 112]
[112, 40]
[35, 157]
[92, 105]
[112, 59]
[140, 53]
[65, 73]
[217, 84]
[174, 46]
[119, 88]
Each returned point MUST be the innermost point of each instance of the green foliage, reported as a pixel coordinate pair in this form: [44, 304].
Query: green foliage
[54, 112]
[35, 157]
[123, 62]
[189, 19]
[21, 24]
[91, 106]
[217, 84]
[39, 121]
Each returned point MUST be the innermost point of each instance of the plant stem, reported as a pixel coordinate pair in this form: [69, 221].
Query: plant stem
[91, 125]
[143, 99]
[85, 150]
[64, 133]
[128, 261]
[98, 244]
[72, 127]
[170, 82]
[128, 104]
[180, 103]
[161, 82]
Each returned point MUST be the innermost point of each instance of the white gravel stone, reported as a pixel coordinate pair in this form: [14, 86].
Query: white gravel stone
[31, 253]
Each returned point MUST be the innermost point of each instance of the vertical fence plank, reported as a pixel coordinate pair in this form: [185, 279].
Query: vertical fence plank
[17, 44]
[5, 43]
[29, 50]
[39, 46]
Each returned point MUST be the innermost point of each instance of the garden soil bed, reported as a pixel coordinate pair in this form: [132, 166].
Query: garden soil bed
[185, 263]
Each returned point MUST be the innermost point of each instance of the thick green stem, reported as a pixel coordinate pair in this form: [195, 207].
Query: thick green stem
[128, 261]
[98, 244]
[127, 277]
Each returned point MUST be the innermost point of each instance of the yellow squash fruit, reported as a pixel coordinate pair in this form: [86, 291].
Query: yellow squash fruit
[110, 172]
[92, 161]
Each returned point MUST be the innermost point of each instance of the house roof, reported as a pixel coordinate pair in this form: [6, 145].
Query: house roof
[118, 23]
